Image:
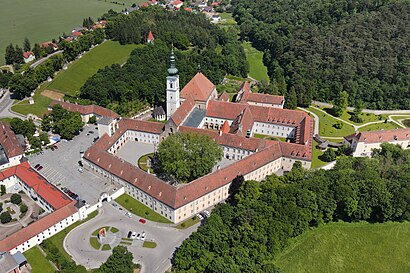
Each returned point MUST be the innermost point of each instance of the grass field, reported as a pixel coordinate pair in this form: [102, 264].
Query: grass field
[326, 123]
[70, 81]
[349, 247]
[257, 69]
[139, 209]
[188, 223]
[316, 153]
[38, 262]
[42, 20]
[149, 244]
[379, 126]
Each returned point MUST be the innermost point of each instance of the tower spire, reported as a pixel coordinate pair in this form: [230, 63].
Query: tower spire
[172, 70]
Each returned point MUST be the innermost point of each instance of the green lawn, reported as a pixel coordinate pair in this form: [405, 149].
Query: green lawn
[283, 139]
[70, 81]
[38, 108]
[326, 123]
[402, 118]
[257, 69]
[43, 20]
[349, 247]
[95, 243]
[114, 230]
[106, 247]
[379, 126]
[38, 262]
[228, 19]
[58, 239]
[188, 223]
[316, 153]
[149, 244]
[139, 209]
[366, 117]
[142, 162]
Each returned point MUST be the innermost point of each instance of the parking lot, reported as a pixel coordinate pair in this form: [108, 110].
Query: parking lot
[61, 167]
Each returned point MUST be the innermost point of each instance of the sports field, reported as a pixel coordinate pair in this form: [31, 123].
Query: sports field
[42, 20]
[257, 69]
[70, 81]
[349, 247]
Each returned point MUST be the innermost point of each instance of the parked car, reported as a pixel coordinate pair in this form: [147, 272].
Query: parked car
[35, 167]
[129, 234]
[39, 168]
[114, 204]
[128, 214]
[143, 235]
[81, 170]
[134, 235]
[142, 221]
[138, 236]
[205, 213]
[91, 132]
[200, 217]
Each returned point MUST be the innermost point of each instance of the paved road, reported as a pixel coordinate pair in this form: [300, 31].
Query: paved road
[156, 260]
[5, 104]
[37, 63]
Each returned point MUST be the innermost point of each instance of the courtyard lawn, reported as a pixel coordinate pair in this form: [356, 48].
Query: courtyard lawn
[95, 243]
[43, 20]
[257, 69]
[188, 223]
[139, 209]
[70, 81]
[326, 123]
[349, 247]
[316, 153]
[142, 162]
[379, 126]
[283, 139]
[38, 262]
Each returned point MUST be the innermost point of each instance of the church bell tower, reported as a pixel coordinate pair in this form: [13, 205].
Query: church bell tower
[172, 87]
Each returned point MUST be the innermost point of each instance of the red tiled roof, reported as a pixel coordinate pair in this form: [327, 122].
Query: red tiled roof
[225, 127]
[87, 109]
[77, 33]
[9, 141]
[150, 37]
[144, 126]
[145, 4]
[69, 39]
[54, 197]
[176, 2]
[183, 111]
[242, 123]
[265, 98]
[224, 97]
[199, 87]
[37, 227]
[224, 109]
[383, 135]
[188, 9]
[47, 44]
[27, 54]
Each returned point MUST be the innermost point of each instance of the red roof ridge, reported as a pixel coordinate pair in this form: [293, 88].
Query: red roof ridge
[199, 87]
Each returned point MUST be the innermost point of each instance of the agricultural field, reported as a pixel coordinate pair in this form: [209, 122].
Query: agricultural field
[70, 81]
[349, 247]
[257, 69]
[43, 20]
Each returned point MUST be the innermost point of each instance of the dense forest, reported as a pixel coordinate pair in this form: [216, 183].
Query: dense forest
[198, 44]
[256, 223]
[321, 48]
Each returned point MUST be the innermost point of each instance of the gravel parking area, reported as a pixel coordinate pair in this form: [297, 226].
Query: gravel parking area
[61, 167]
[133, 150]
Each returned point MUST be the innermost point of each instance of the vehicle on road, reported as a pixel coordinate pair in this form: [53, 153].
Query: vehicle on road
[128, 214]
[134, 235]
[142, 221]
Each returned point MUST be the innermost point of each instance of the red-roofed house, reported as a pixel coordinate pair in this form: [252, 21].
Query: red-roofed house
[177, 4]
[11, 151]
[76, 34]
[86, 111]
[363, 143]
[60, 208]
[150, 38]
[49, 44]
[28, 56]
[188, 9]
[246, 96]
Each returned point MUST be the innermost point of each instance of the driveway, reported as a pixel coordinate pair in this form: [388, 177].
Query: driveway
[153, 260]
[60, 167]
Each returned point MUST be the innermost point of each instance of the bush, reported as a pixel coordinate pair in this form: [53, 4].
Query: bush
[338, 125]
[329, 155]
[15, 198]
[5, 217]
[23, 208]
[2, 189]
[92, 120]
